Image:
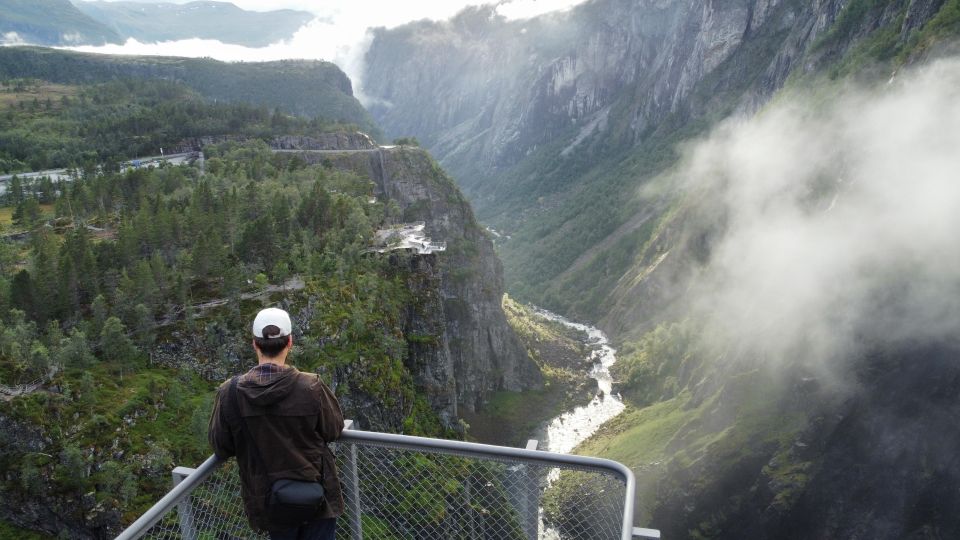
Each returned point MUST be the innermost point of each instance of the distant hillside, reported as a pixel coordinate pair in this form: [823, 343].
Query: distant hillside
[50, 22]
[222, 21]
[310, 88]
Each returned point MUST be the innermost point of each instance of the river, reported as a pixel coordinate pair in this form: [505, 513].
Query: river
[563, 433]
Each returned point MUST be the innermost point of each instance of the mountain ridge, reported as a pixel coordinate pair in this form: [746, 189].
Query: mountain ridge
[50, 22]
[222, 21]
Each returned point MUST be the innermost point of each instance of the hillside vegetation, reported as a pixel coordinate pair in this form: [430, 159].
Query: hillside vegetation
[307, 88]
[47, 126]
[128, 295]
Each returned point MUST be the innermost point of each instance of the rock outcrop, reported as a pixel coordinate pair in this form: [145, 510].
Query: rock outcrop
[484, 352]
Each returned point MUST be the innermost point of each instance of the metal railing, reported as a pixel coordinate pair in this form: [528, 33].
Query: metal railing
[399, 487]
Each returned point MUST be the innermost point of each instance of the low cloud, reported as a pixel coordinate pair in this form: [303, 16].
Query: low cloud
[842, 216]
[11, 38]
[340, 33]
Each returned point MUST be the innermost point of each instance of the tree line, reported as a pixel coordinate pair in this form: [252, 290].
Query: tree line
[109, 123]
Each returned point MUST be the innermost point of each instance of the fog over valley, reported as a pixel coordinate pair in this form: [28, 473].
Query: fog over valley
[838, 219]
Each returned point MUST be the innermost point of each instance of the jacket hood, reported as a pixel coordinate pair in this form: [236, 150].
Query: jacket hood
[272, 389]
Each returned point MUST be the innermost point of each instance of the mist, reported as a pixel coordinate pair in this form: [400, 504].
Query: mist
[340, 33]
[841, 220]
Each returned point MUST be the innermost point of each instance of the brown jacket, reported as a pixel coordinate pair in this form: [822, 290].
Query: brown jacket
[289, 416]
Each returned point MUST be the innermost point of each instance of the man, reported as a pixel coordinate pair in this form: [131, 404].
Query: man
[278, 421]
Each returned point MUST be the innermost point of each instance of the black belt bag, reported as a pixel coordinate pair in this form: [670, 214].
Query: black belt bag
[291, 501]
[294, 501]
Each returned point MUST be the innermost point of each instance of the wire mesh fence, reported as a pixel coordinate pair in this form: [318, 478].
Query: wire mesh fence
[396, 492]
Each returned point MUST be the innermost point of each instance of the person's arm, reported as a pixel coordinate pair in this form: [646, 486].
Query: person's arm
[219, 431]
[330, 422]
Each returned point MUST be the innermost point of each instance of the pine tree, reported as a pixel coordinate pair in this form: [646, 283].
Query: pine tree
[46, 278]
[27, 213]
[116, 347]
[16, 190]
[145, 286]
[144, 326]
[21, 293]
[99, 310]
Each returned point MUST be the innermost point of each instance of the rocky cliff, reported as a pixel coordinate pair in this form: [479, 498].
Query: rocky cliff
[484, 353]
[551, 124]
[499, 89]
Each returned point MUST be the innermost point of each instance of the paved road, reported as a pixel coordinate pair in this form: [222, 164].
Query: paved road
[63, 174]
[54, 174]
[172, 159]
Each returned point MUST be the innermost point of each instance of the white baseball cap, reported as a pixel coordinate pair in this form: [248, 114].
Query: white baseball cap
[272, 317]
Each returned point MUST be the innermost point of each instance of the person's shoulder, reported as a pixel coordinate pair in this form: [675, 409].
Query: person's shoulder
[306, 378]
[309, 381]
[224, 385]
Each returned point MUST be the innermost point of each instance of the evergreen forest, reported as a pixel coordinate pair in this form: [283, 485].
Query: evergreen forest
[128, 291]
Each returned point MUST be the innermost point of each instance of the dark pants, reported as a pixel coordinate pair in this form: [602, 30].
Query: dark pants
[321, 529]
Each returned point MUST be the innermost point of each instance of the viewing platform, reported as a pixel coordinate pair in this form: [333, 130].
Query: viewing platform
[406, 237]
[405, 487]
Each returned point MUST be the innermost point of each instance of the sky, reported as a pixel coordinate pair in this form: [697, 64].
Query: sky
[338, 34]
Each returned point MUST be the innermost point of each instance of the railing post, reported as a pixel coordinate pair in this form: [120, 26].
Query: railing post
[530, 497]
[524, 489]
[351, 485]
[188, 527]
[531, 519]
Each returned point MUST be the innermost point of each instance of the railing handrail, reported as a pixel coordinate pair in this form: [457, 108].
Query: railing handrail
[520, 454]
[156, 512]
[482, 451]
[477, 450]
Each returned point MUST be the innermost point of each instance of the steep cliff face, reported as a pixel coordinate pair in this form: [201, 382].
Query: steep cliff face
[467, 317]
[501, 89]
[541, 121]
[486, 353]
[551, 125]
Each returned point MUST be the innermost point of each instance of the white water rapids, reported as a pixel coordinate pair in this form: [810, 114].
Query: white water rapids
[565, 432]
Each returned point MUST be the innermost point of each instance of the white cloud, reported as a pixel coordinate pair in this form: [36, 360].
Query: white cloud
[401, 11]
[11, 38]
[841, 219]
[338, 34]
